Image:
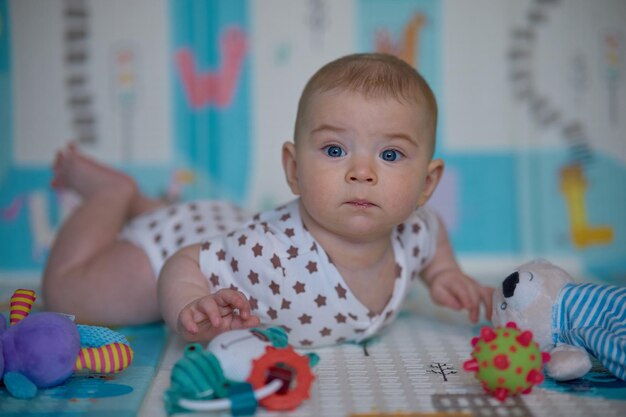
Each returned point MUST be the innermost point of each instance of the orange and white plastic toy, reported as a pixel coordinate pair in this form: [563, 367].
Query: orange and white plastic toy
[239, 370]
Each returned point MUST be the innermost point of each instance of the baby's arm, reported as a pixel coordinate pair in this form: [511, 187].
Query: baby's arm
[188, 306]
[449, 286]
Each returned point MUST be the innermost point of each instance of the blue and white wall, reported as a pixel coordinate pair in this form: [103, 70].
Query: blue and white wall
[195, 99]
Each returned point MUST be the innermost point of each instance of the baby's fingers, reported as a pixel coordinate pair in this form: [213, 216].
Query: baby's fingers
[207, 309]
[471, 302]
[239, 323]
[486, 296]
[468, 297]
[198, 315]
[230, 300]
[187, 322]
[473, 313]
[445, 297]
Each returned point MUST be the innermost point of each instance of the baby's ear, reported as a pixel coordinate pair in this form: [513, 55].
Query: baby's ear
[435, 172]
[290, 166]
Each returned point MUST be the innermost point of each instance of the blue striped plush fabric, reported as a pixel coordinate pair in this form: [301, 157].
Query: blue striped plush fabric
[593, 317]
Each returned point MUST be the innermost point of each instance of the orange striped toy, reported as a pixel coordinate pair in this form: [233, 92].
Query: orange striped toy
[21, 303]
[110, 358]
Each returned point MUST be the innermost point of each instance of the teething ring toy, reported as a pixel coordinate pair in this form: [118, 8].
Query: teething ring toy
[283, 357]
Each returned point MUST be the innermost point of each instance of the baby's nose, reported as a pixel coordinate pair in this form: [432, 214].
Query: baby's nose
[362, 171]
[366, 178]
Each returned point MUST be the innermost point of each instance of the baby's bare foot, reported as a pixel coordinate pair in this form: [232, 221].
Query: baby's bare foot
[88, 177]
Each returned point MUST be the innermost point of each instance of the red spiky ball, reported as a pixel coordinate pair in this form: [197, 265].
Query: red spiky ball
[507, 361]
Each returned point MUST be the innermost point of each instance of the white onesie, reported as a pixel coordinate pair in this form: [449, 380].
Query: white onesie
[278, 265]
[291, 282]
[162, 232]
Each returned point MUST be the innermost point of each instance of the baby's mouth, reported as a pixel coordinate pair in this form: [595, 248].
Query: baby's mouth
[361, 203]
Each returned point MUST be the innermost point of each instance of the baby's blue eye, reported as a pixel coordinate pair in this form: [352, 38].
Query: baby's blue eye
[390, 155]
[334, 151]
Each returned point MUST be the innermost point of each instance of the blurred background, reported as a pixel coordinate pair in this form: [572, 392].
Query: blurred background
[195, 98]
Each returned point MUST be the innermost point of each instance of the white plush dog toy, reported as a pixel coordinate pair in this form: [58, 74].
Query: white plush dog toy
[571, 321]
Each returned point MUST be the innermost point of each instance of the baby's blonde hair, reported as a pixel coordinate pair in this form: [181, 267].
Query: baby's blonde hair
[375, 75]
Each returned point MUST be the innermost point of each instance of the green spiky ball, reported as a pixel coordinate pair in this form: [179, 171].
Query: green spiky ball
[506, 361]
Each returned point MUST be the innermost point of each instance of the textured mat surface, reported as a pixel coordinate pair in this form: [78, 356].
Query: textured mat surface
[416, 369]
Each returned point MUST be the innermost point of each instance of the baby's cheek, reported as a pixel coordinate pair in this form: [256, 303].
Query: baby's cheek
[403, 207]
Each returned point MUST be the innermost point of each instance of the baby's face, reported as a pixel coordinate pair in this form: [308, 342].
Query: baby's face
[362, 165]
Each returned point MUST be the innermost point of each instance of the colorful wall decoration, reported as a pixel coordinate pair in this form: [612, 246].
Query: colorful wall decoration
[195, 99]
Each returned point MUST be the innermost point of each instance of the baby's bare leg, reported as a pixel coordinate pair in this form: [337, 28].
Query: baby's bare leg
[90, 273]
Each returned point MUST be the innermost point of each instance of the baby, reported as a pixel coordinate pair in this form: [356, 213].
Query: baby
[333, 265]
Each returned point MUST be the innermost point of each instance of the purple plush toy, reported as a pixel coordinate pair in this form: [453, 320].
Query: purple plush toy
[37, 352]
[42, 350]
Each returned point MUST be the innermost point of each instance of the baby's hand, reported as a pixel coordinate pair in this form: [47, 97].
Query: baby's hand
[208, 316]
[452, 288]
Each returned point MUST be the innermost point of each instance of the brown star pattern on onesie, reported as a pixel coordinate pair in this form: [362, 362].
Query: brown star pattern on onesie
[290, 282]
[325, 332]
[275, 288]
[311, 267]
[254, 304]
[341, 291]
[299, 287]
[305, 319]
[253, 277]
[292, 252]
[215, 280]
[320, 300]
[257, 250]
[340, 318]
